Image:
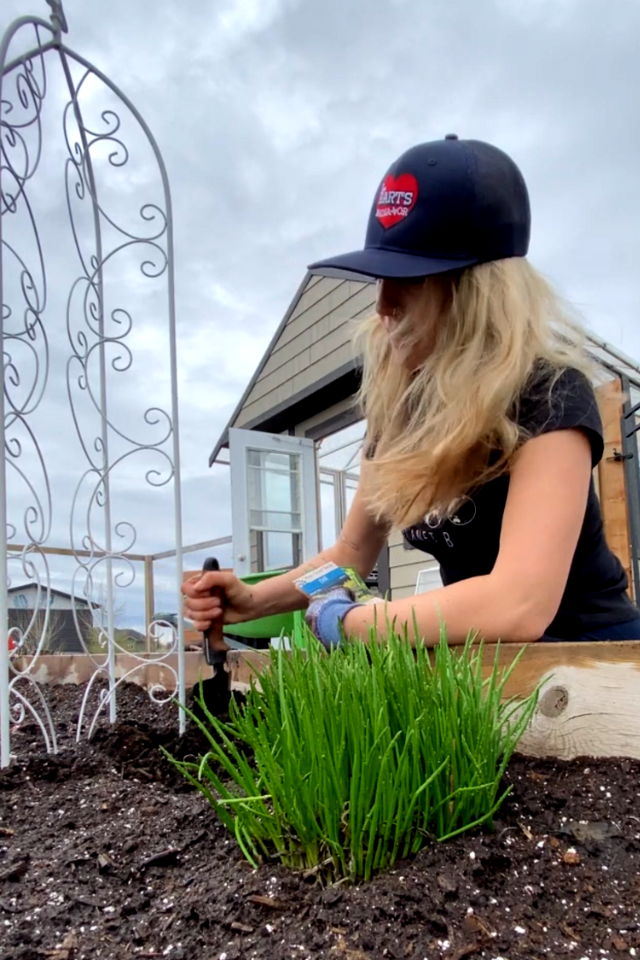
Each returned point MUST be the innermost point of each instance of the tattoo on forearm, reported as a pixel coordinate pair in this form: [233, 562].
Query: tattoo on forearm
[350, 543]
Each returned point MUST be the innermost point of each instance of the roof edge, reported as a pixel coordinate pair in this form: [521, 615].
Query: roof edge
[44, 589]
[334, 274]
[338, 385]
[224, 438]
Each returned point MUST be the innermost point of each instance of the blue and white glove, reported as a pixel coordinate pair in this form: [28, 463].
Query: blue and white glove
[325, 615]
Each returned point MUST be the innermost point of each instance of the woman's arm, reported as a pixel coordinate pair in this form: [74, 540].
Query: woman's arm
[517, 601]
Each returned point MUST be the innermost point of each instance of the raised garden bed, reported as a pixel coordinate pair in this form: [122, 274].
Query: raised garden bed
[105, 853]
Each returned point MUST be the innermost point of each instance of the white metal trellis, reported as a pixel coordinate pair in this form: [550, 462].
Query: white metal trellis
[98, 332]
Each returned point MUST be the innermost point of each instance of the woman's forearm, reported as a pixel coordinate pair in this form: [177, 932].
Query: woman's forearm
[495, 609]
[279, 594]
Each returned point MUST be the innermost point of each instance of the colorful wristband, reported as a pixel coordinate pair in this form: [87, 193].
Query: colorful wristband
[329, 619]
[326, 612]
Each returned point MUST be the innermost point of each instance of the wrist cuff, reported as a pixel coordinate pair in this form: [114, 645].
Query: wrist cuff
[329, 622]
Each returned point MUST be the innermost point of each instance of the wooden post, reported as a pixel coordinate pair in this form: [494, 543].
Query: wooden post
[611, 476]
[149, 602]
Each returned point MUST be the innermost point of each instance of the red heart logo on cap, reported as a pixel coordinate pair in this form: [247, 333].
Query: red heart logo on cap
[396, 199]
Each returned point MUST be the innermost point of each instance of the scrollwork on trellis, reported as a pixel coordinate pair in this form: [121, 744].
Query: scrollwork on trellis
[24, 90]
[99, 332]
[26, 369]
[99, 337]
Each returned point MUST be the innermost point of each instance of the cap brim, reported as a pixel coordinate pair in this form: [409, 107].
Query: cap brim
[390, 264]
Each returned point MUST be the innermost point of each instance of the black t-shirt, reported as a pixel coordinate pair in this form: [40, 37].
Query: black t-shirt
[467, 544]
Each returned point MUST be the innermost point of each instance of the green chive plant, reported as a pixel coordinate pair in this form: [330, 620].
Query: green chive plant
[342, 764]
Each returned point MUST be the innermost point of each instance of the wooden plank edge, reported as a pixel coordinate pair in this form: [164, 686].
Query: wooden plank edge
[146, 671]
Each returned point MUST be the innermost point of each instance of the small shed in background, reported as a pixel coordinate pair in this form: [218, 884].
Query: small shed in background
[66, 617]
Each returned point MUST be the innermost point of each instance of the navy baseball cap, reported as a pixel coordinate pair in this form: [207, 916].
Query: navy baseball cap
[441, 206]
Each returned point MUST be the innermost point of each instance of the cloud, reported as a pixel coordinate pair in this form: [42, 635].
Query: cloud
[277, 119]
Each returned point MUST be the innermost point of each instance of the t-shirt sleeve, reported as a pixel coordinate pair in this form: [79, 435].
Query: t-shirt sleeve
[569, 403]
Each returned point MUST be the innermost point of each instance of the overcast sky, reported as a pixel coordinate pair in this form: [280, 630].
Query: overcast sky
[277, 119]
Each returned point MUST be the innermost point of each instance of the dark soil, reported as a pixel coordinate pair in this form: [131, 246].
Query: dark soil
[106, 853]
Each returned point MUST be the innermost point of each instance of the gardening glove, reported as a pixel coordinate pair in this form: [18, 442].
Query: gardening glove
[326, 612]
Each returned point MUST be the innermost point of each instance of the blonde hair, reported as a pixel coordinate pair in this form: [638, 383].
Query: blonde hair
[449, 426]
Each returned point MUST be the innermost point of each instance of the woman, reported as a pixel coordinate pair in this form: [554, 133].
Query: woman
[483, 426]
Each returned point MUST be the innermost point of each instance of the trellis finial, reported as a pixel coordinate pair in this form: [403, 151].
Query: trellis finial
[57, 17]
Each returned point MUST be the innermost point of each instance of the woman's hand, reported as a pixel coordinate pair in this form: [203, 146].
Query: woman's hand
[199, 606]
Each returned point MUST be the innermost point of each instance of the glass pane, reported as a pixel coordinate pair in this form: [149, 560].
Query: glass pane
[341, 450]
[274, 481]
[275, 509]
[350, 487]
[278, 550]
[271, 459]
[274, 550]
[275, 520]
[328, 532]
[255, 546]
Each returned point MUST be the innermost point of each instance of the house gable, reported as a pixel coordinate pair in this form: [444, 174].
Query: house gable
[310, 363]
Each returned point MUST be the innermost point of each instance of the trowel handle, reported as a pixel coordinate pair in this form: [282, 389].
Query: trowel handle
[214, 643]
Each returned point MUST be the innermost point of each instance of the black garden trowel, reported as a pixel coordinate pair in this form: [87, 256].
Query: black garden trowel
[215, 647]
